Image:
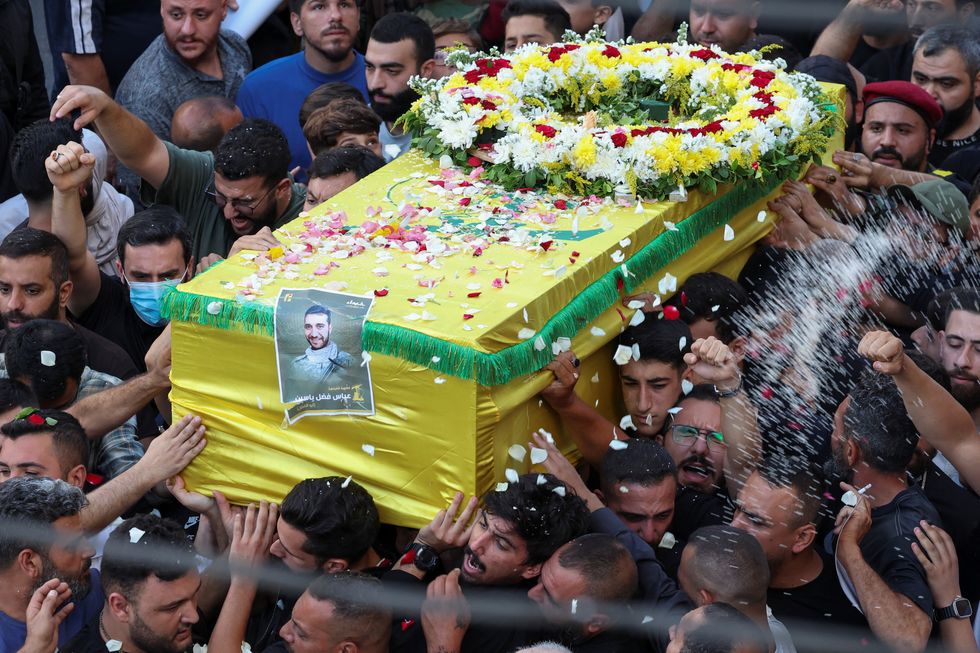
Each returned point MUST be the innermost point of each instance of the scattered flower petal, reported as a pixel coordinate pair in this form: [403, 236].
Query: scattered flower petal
[686, 386]
[368, 449]
[511, 475]
[517, 452]
[627, 423]
[618, 445]
[526, 334]
[597, 332]
[538, 455]
[729, 233]
[622, 355]
[560, 491]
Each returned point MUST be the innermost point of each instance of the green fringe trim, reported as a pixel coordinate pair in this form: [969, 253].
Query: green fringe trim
[517, 360]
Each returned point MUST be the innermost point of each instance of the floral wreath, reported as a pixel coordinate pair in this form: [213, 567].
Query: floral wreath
[587, 117]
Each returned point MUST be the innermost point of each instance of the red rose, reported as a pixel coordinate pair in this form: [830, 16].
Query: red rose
[561, 205]
[619, 139]
[764, 112]
[704, 54]
[471, 100]
[611, 52]
[546, 130]
[381, 293]
[671, 312]
[555, 53]
[475, 162]
[473, 76]
[488, 105]
[465, 201]
[35, 419]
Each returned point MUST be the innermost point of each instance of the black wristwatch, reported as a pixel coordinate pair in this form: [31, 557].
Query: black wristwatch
[423, 556]
[960, 608]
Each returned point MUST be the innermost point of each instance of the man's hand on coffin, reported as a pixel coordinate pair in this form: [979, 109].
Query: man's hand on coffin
[446, 531]
[713, 362]
[651, 302]
[858, 169]
[561, 392]
[173, 450]
[69, 167]
[561, 468]
[208, 261]
[832, 183]
[791, 232]
[261, 241]
[194, 501]
[252, 534]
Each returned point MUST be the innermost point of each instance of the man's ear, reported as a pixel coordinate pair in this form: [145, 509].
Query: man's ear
[295, 22]
[705, 597]
[119, 270]
[852, 453]
[64, 293]
[425, 70]
[76, 476]
[931, 141]
[596, 625]
[335, 565]
[532, 571]
[118, 607]
[601, 14]
[804, 538]
[31, 563]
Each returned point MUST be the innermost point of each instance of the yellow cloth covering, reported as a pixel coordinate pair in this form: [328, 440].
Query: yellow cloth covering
[451, 393]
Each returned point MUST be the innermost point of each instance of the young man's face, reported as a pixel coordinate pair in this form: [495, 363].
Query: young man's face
[388, 67]
[312, 627]
[248, 204]
[770, 515]
[647, 509]
[960, 352]
[495, 554]
[328, 26]
[316, 326]
[896, 136]
[700, 459]
[556, 588]
[160, 619]
[945, 77]
[521, 30]
[320, 189]
[367, 141]
[288, 547]
[191, 27]
[27, 291]
[155, 262]
[650, 389]
[923, 14]
[725, 23]
[33, 454]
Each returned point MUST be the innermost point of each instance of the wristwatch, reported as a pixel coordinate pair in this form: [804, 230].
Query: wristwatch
[423, 556]
[731, 392]
[960, 608]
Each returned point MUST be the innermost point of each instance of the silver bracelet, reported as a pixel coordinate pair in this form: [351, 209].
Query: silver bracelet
[725, 394]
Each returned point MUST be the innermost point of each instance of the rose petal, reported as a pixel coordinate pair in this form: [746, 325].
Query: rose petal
[626, 423]
[686, 386]
[526, 334]
[542, 479]
[560, 491]
[729, 233]
[511, 475]
[538, 456]
[502, 487]
[517, 452]
[368, 449]
[618, 445]
[597, 332]
[622, 355]
[637, 318]
[135, 534]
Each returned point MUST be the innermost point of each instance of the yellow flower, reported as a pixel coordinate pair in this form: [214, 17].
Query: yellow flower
[583, 154]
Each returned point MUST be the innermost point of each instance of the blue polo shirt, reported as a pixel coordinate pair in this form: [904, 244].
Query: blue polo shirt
[13, 632]
[276, 92]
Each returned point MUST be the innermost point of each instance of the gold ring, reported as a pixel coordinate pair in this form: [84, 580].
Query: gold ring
[831, 179]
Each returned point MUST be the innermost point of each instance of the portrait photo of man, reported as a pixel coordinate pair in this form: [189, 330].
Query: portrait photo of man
[323, 357]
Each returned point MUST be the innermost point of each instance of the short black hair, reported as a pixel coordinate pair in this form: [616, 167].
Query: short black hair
[68, 436]
[962, 299]
[358, 605]
[31, 146]
[28, 241]
[659, 340]
[324, 94]
[701, 392]
[730, 563]
[641, 462]
[543, 518]
[14, 394]
[402, 25]
[156, 225]
[714, 297]
[23, 353]
[340, 160]
[317, 309]
[337, 516]
[798, 475]
[28, 503]
[724, 629]
[604, 563]
[253, 148]
[556, 19]
[162, 550]
[878, 423]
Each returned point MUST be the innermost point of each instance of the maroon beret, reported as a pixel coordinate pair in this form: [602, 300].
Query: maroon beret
[905, 93]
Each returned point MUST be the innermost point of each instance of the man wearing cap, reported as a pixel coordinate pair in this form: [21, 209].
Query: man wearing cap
[900, 122]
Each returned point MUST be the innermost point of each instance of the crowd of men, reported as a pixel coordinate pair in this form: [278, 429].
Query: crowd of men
[799, 462]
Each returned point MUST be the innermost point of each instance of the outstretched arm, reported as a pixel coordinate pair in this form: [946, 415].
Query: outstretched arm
[127, 136]
[938, 417]
[590, 431]
[70, 167]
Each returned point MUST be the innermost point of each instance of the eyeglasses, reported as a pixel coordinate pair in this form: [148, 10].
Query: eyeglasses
[242, 208]
[686, 436]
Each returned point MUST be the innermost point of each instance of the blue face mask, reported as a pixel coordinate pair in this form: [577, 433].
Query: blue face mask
[145, 296]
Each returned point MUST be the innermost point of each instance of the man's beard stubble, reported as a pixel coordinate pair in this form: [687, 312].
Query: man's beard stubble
[396, 106]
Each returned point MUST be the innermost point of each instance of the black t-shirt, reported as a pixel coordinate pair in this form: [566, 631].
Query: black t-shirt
[694, 509]
[887, 546]
[112, 316]
[862, 53]
[943, 149]
[890, 64]
[821, 600]
[88, 640]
